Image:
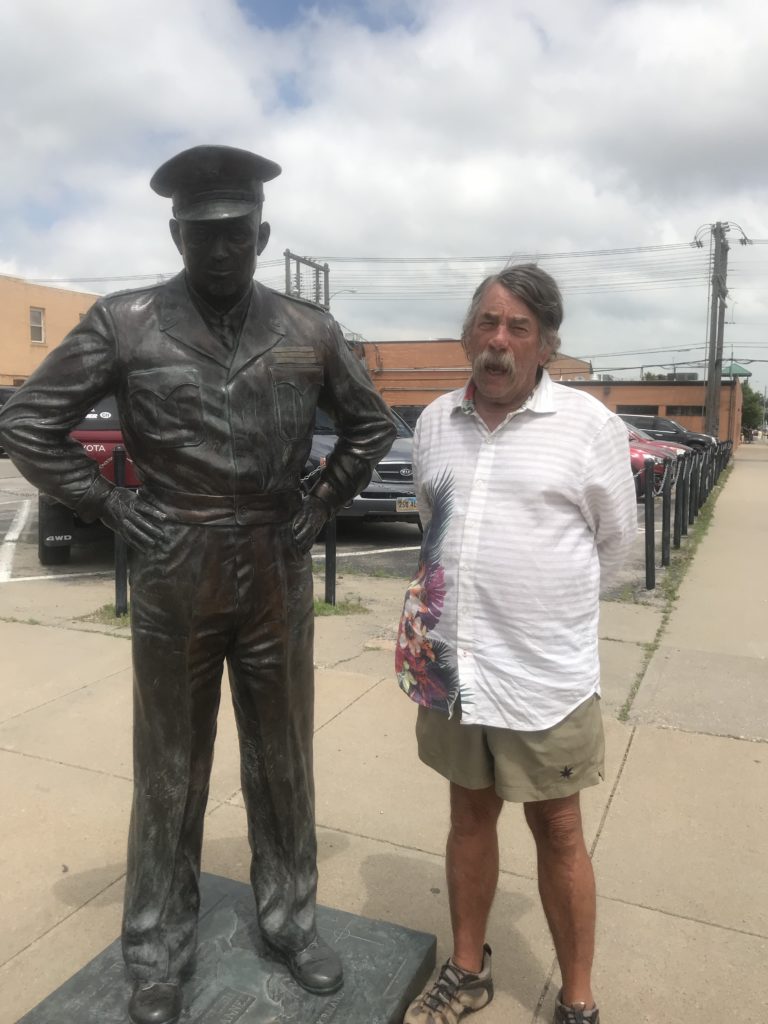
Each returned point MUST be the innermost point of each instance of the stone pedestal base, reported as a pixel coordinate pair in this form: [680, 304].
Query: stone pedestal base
[385, 966]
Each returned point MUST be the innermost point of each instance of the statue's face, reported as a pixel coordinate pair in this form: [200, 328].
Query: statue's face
[220, 255]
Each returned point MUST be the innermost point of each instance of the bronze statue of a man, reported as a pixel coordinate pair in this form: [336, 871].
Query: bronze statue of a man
[217, 380]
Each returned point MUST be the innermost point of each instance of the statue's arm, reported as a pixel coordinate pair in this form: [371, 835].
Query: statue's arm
[365, 425]
[35, 423]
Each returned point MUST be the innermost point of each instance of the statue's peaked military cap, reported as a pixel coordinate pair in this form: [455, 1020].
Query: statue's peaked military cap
[214, 182]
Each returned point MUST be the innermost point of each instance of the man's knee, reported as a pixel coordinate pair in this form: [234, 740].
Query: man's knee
[474, 810]
[556, 824]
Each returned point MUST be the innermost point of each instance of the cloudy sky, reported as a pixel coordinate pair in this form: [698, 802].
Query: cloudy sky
[446, 136]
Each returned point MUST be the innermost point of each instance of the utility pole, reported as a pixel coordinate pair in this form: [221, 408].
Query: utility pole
[317, 288]
[718, 295]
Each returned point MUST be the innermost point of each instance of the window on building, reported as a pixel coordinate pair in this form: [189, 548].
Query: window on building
[36, 325]
[639, 410]
[685, 410]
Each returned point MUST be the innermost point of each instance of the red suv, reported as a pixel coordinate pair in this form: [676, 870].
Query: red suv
[98, 433]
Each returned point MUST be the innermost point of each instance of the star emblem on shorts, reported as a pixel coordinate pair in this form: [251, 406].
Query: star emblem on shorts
[567, 772]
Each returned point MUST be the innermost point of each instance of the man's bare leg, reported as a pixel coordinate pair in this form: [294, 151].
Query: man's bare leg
[567, 889]
[472, 870]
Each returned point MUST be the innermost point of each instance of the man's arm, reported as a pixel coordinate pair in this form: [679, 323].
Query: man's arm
[423, 501]
[609, 500]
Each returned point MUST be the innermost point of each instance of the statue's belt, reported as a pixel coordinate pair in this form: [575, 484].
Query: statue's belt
[224, 509]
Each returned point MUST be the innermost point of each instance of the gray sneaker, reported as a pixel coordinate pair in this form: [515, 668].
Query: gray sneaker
[575, 1014]
[454, 994]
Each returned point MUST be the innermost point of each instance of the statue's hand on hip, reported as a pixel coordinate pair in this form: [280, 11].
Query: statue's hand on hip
[309, 521]
[136, 521]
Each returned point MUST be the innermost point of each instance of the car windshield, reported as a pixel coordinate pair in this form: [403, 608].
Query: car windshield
[325, 425]
[103, 416]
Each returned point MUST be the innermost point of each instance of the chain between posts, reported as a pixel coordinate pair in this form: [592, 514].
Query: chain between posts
[693, 477]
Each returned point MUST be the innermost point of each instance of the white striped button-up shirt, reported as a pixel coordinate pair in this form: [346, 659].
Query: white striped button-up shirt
[519, 524]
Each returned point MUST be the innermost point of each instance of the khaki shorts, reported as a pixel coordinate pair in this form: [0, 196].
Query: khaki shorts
[521, 766]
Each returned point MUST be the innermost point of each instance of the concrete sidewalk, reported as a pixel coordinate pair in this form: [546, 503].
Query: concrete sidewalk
[679, 830]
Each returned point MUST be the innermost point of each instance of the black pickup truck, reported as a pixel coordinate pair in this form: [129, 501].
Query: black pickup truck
[662, 428]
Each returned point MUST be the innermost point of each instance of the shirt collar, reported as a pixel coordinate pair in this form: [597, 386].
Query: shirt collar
[233, 317]
[540, 400]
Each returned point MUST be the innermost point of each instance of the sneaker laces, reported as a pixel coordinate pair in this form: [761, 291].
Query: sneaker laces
[446, 986]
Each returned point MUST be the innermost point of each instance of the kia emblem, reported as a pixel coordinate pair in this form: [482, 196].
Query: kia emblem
[405, 471]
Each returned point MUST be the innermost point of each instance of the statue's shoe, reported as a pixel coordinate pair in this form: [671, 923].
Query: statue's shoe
[317, 967]
[155, 1002]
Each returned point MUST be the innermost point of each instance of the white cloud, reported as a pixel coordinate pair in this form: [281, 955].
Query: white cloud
[460, 129]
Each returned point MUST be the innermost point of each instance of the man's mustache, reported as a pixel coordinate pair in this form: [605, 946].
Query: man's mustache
[500, 362]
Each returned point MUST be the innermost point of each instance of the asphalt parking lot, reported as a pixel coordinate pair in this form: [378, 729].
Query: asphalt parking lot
[367, 548]
[363, 548]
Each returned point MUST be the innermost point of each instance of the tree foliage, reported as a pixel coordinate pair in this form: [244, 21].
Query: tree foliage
[752, 407]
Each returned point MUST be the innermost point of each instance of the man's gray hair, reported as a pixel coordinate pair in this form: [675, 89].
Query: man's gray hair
[537, 289]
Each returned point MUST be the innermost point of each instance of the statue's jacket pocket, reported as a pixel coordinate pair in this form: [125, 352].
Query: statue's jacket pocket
[166, 405]
[295, 387]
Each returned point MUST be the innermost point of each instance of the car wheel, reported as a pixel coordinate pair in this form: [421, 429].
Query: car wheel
[55, 524]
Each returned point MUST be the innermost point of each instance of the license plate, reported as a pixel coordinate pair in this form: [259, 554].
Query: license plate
[405, 504]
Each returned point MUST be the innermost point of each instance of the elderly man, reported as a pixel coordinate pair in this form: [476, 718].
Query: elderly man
[526, 496]
[217, 381]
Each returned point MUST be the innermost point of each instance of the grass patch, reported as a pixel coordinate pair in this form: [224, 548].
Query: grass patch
[106, 616]
[347, 606]
[374, 572]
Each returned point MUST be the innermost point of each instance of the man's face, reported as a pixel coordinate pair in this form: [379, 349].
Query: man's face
[220, 255]
[504, 346]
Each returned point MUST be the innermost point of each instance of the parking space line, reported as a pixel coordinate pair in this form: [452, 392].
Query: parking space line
[57, 576]
[8, 548]
[369, 551]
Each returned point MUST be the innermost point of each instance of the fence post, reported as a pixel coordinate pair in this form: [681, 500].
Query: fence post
[650, 526]
[121, 550]
[666, 511]
[330, 561]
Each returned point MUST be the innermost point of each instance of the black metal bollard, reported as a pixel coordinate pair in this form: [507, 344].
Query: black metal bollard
[330, 561]
[708, 467]
[650, 526]
[693, 489]
[677, 524]
[121, 549]
[682, 483]
[702, 496]
[666, 511]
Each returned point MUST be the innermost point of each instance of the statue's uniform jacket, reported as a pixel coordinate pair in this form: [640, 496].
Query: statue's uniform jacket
[219, 440]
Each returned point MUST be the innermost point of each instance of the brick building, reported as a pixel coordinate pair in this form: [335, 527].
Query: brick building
[410, 374]
[34, 318]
